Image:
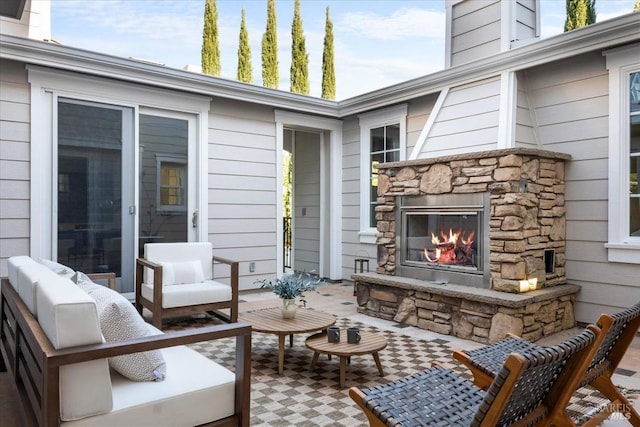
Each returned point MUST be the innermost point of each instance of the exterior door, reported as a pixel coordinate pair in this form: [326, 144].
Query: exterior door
[167, 191]
[94, 193]
[107, 206]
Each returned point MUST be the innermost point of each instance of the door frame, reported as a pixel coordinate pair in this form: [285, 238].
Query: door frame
[46, 86]
[330, 188]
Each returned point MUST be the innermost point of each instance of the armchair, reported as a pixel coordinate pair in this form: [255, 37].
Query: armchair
[178, 279]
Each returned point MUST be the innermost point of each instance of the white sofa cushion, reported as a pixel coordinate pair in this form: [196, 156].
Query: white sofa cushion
[69, 318]
[178, 273]
[13, 265]
[179, 252]
[120, 321]
[190, 293]
[29, 275]
[60, 269]
[197, 391]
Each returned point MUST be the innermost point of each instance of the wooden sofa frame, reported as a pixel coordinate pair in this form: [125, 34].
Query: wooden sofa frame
[34, 365]
[155, 306]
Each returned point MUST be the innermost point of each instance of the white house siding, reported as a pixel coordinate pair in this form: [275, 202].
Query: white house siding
[525, 25]
[242, 187]
[525, 118]
[469, 40]
[35, 22]
[14, 162]
[467, 121]
[570, 99]
[306, 196]
[417, 115]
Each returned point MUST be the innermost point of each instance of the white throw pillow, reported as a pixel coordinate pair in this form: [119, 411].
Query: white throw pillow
[178, 273]
[120, 321]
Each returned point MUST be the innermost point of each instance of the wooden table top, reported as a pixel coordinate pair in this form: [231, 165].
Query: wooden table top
[270, 321]
[369, 343]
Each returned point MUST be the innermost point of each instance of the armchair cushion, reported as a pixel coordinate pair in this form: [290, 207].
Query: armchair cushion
[179, 252]
[119, 321]
[178, 273]
[190, 293]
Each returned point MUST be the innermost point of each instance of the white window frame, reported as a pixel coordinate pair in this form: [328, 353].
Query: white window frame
[621, 62]
[376, 119]
[161, 159]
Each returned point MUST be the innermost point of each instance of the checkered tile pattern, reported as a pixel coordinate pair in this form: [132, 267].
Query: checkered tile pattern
[302, 398]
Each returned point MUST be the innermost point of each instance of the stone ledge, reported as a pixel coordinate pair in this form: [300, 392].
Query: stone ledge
[477, 155]
[502, 299]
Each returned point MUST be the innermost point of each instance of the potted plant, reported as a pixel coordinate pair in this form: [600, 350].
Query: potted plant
[289, 287]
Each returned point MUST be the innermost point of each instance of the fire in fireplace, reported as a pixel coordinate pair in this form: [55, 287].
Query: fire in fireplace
[441, 238]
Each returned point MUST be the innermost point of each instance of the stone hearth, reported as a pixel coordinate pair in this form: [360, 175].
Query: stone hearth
[481, 315]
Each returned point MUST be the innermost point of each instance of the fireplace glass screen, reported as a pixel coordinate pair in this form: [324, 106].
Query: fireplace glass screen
[447, 240]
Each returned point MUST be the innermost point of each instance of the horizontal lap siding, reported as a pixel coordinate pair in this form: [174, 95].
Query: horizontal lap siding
[242, 187]
[14, 162]
[525, 121]
[467, 121]
[525, 20]
[469, 41]
[571, 101]
[351, 246]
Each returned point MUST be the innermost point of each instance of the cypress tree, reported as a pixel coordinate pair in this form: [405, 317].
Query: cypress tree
[245, 74]
[580, 13]
[328, 68]
[270, 75]
[636, 6]
[210, 54]
[299, 60]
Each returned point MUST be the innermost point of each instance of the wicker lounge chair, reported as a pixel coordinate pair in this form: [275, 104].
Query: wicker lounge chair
[618, 331]
[523, 392]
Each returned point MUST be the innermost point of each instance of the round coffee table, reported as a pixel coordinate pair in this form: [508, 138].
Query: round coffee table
[370, 343]
[270, 321]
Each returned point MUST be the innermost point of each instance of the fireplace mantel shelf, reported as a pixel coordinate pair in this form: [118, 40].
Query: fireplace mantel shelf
[477, 155]
[489, 296]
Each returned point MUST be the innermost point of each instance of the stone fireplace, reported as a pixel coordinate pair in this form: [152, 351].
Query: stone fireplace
[519, 191]
[469, 242]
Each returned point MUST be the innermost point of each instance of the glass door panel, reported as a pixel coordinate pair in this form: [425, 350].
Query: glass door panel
[164, 180]
[91, 215]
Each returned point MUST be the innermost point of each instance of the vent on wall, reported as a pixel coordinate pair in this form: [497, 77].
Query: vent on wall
[12, 8]
[549, 260]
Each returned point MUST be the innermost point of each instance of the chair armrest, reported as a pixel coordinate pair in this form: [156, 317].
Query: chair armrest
[111, 278]
[234, 281]
[141, 264]
[57, 358]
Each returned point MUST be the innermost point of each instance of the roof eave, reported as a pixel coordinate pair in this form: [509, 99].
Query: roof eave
[97, 64]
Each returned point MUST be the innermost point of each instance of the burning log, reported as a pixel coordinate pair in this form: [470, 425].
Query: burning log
[455, 248]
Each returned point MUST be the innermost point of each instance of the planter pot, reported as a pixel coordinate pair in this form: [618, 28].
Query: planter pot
[289, 308]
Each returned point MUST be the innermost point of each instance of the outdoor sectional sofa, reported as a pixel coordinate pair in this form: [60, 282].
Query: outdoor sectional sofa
[52, 340]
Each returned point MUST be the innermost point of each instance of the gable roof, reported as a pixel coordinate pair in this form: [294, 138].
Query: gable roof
[604, 35]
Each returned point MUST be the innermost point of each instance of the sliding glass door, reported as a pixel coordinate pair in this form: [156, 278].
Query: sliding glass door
[107, 206]
[94, 192]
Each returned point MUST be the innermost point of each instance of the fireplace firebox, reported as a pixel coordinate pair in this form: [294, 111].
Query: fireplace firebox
[442, 238]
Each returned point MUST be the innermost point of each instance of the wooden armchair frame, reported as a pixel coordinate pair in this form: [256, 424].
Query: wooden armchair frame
[158, 312]
[529, 389]
[618, 332]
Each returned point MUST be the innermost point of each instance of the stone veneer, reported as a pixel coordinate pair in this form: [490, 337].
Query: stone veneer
[527, 216]
[481, 315]
[527, 212]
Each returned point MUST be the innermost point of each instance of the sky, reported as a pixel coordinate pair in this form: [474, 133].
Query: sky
[377, 43]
